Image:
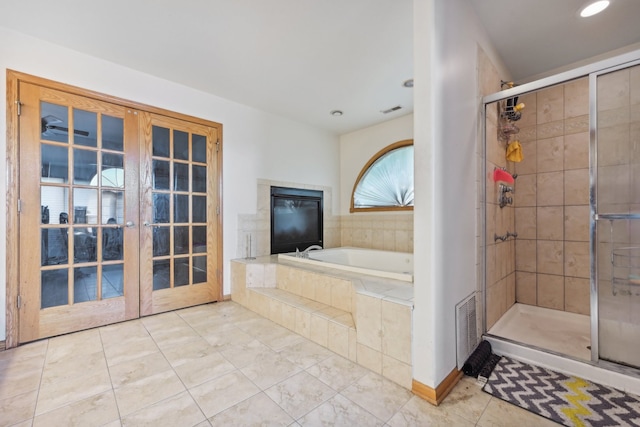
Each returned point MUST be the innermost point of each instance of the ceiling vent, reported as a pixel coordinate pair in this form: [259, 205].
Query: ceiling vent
[391, 110]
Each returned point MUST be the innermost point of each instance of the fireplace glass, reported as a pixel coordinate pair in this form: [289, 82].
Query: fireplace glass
[296, 219]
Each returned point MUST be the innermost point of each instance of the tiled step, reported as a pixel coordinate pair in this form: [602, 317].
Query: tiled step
[333, 291]
[326, 325]
[368, 322]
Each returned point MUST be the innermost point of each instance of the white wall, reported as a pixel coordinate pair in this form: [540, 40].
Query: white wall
[446, 112]
[256, 144]
[358, 147]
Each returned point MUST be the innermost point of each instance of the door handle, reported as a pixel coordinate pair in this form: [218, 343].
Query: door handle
[129, 224]
[146, 224]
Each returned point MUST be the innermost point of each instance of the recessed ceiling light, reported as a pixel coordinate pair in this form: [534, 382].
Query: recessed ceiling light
[408, 83]
[594, 8]
[336, 113]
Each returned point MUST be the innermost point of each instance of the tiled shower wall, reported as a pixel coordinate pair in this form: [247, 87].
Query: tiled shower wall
[552, 199]
[500, 256]
[391, 232]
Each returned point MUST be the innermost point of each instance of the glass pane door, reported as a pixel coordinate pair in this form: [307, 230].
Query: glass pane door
[180, 216]
[618, 215]
[75, 208]
[89, 207]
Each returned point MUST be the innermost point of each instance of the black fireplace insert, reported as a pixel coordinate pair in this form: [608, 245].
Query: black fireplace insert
[296, 219]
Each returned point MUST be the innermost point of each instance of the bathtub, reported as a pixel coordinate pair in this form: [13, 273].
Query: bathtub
[391, 265]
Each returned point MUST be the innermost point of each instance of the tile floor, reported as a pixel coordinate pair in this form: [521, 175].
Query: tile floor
[217, 365]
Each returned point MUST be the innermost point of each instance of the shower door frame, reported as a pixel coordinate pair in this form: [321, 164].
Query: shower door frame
[595, 216]
[592, 71]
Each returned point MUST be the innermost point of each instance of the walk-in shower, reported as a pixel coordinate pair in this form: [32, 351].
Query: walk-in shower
[566, 279]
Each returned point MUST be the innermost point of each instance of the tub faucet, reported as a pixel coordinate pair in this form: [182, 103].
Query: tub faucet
[305, 253]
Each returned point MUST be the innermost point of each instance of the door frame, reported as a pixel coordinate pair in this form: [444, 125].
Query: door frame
[13, 173]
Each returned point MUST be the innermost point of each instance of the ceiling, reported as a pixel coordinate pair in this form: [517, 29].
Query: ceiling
[536, 36]
[304, 58]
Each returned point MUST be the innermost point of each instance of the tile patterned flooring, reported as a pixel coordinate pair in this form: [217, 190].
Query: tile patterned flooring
[217, 365]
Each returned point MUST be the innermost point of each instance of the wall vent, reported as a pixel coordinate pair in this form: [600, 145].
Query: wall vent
[466, 328]
[391, 110]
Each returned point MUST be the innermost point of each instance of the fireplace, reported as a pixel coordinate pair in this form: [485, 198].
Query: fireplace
[296, 219]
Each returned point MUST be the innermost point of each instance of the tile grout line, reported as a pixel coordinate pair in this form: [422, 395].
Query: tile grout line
[304, 339]
[44, 361]
[113, 389]
[188, 390]
[174, 371]
[483, 409]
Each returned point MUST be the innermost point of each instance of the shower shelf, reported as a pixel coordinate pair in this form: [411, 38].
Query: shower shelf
[625, 270]
[508, 113]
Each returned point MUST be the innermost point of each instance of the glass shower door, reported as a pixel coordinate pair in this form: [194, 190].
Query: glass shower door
[616, 156]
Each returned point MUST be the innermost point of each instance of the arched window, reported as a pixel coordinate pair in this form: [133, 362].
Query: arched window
[386, 181]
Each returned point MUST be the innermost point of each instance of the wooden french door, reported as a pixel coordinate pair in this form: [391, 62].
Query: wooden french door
[117, 213]
[179, 210]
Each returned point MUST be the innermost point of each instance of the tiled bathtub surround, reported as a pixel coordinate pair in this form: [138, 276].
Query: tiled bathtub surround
[364, 319]
[258, 226]
[552, 199]
[385, 231]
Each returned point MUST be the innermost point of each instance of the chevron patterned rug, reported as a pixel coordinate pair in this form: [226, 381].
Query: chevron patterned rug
[567, 400]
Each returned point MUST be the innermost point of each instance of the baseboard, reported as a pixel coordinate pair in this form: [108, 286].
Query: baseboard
[435, 396]
[226, 297]
[3, 345]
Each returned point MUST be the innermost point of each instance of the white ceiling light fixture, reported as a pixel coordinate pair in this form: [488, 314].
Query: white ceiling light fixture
[594, 8]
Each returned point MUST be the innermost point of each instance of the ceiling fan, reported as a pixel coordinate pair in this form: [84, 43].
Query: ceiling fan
[50, 126]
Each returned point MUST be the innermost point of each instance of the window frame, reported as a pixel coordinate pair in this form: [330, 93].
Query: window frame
[367, 166]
